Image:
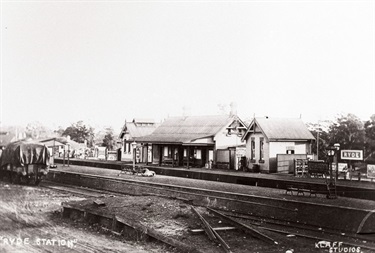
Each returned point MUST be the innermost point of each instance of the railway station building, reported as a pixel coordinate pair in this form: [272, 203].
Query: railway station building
[272, 144]
[196, 141]
[130, 133]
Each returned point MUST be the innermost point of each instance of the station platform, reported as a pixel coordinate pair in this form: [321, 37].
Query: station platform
[345, 188]
[352, 211]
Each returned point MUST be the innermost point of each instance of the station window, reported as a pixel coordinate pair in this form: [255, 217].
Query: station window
[210, 155]
[127, 147]
[166, 151]
[261, 149]
[252, 155]
[198, 154]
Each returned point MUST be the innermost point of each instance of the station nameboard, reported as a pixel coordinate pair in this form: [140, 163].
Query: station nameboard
[371, 170]
[316, 167]
[352, 154]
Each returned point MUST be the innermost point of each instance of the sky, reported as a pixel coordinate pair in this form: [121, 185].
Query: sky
[104, 62]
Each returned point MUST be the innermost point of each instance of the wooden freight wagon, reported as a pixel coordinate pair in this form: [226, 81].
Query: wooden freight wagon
[24, 162]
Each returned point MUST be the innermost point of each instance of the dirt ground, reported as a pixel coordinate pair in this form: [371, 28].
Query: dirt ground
[30, 221]
[174, 219]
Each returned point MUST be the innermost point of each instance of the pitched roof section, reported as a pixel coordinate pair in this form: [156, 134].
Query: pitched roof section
[51, 143]
[187, 129]
[148, 121]
[138, 128]
[282, 129]
[139, 131]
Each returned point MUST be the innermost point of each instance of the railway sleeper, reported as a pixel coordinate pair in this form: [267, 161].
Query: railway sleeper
[245, 228]
[124, 227]
[212, 233]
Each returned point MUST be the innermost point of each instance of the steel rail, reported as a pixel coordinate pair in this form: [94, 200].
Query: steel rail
[181, 189]
[86, 191]
[174, 191]
[254, 221]
[150, 232]
[313, 237]
[318, 238]
[206, 226]
[211, 233]
[246, 228]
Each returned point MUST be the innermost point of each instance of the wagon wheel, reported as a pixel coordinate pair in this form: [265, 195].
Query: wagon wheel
[37, 182]
[10, 177]
[24, 179]
[1, 174]
[38, 179]
[31, 180]
[16, 178]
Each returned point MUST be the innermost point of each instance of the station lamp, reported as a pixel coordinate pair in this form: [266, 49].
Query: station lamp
[330, 153]
[337, 147]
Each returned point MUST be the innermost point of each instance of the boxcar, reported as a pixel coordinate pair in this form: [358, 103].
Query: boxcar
[24, 162]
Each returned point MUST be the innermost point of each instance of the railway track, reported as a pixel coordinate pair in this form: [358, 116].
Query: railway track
[316, 234]
[307, 213]
[235, 238]
[266, 230]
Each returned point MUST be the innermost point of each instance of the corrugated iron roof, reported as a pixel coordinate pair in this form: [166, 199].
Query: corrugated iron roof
[140, 120]
[51, 143]
[138, 131]
[283, 129]
[186, 129]
[169, 138]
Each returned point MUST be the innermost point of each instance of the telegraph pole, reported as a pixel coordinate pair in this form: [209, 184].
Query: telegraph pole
[317, 144]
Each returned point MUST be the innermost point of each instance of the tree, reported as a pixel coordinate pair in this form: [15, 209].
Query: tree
[109, 139]
[79, 132]
[36, 130]
[348, 131]
[370, 140]
[59, 131]
[320, 132]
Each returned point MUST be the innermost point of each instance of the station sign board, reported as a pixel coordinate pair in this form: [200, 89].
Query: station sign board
[343, 167]
[370, 170]
[352, 155]
[317, 167]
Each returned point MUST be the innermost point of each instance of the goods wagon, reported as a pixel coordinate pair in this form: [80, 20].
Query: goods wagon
[24, 162]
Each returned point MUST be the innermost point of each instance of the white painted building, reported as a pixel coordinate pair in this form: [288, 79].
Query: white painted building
[267, 138]
[130, 132]
[196, 141]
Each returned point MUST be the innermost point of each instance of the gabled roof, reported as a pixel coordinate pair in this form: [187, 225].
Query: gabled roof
[280, 129]
[187, 129]
[138, 128]
[138, 120]
[51, 143]
[63, 141]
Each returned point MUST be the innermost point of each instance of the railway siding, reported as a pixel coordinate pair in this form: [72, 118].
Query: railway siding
[339, 218]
